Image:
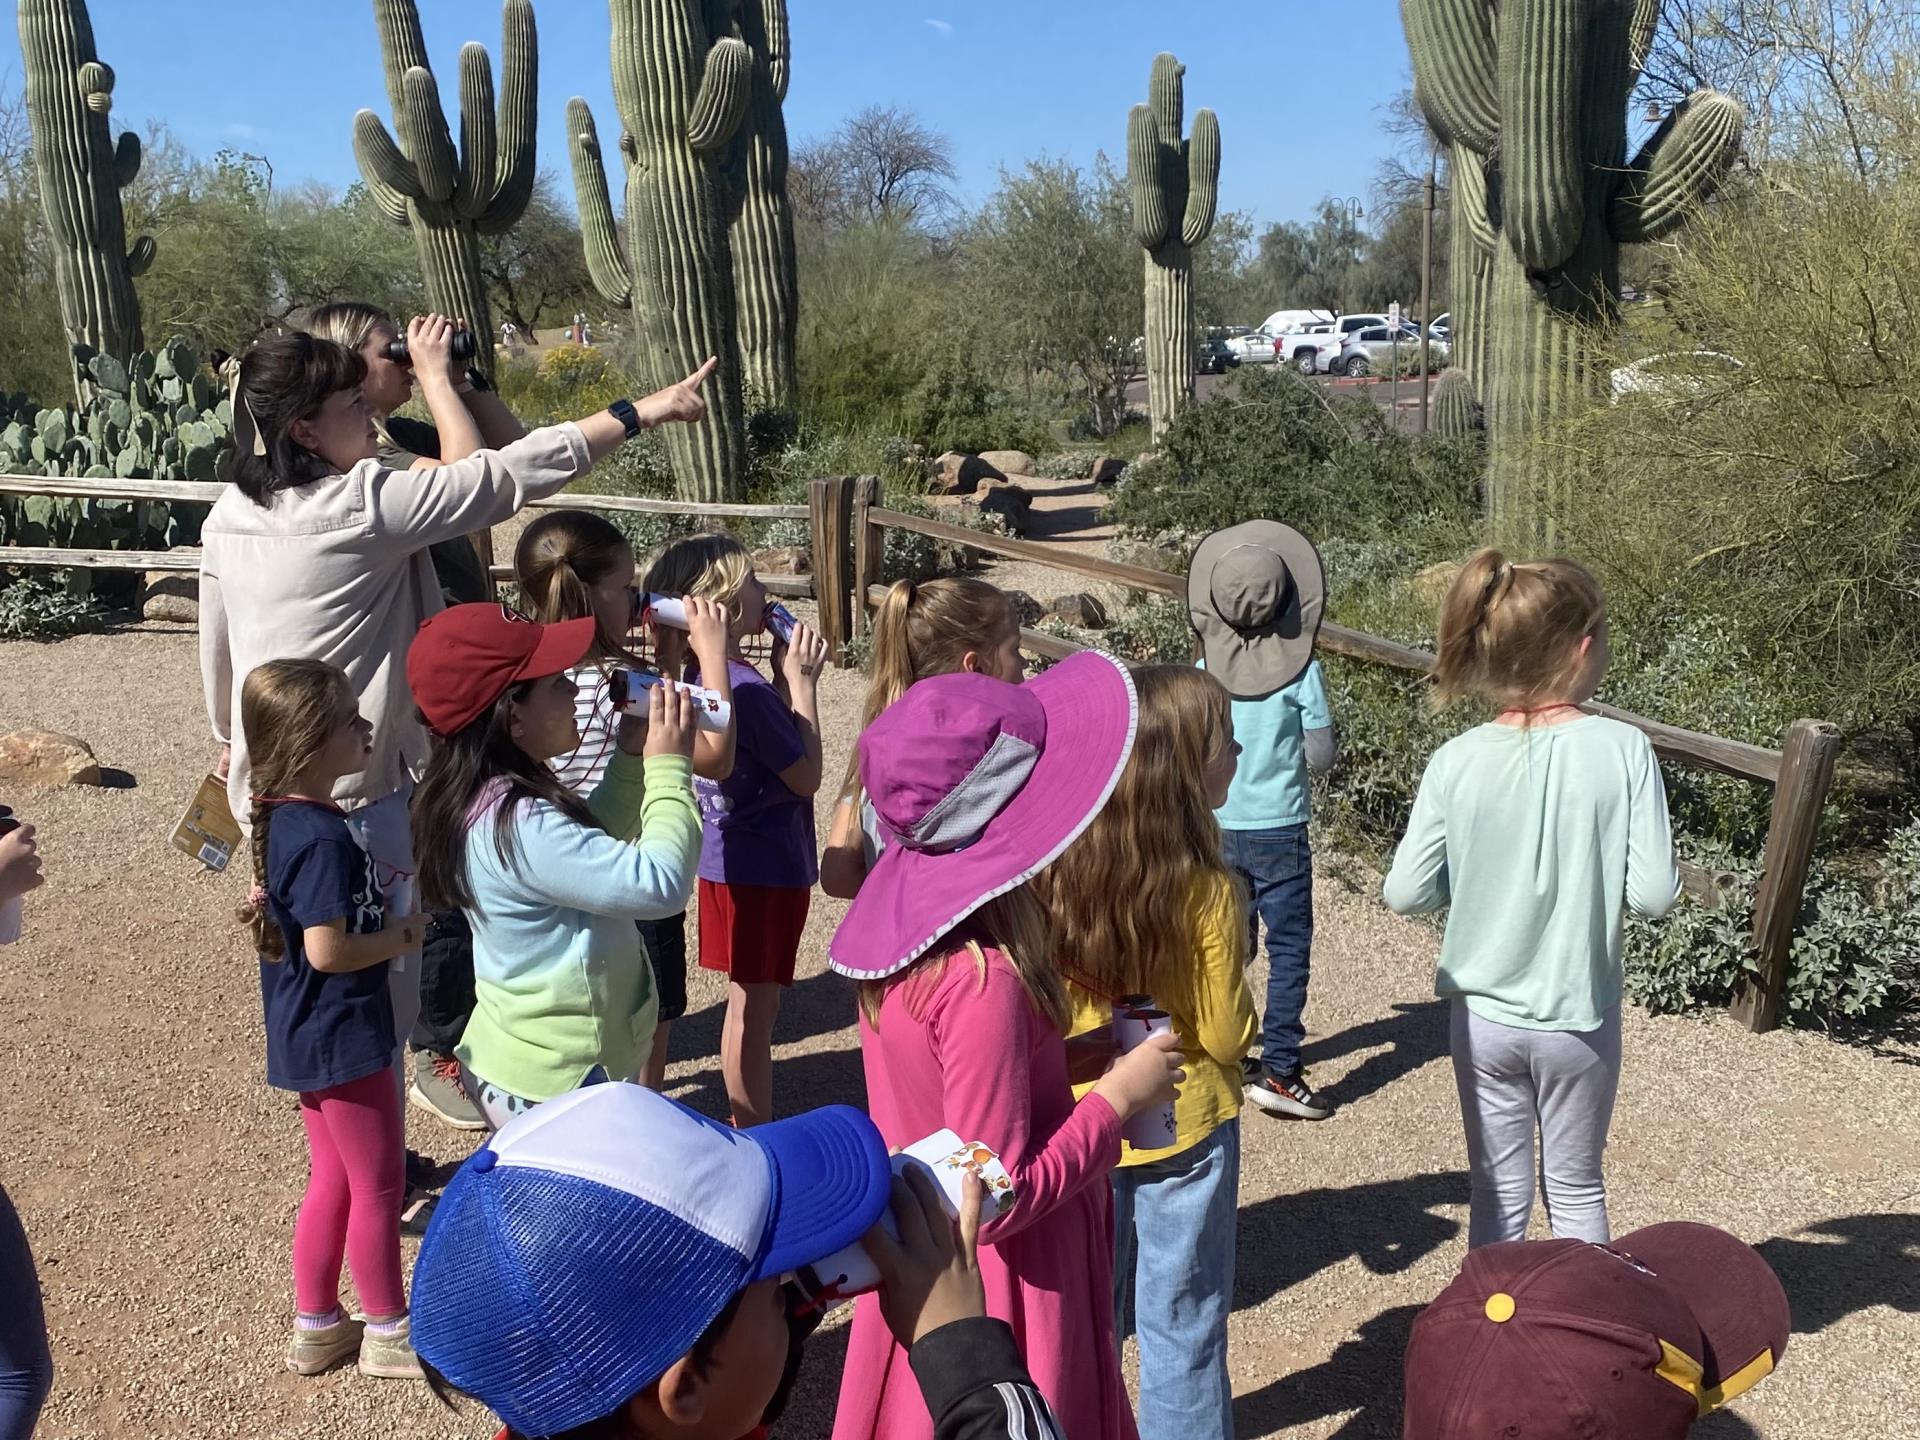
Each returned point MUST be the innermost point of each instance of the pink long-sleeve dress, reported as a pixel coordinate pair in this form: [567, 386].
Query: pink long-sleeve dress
[976, 1057]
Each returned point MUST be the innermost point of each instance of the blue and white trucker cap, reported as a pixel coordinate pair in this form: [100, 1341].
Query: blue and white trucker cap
[592, 1240]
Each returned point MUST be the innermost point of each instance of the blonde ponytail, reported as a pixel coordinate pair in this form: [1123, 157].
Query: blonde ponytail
[1510, 633]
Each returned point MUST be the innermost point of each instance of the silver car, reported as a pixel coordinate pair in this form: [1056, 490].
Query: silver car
[1366, 351]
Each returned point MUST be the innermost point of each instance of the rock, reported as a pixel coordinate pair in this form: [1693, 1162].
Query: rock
[43, 757]
[955, 473]
[1080, 610]
[1430, 585]
[170, 595]
[1107, 470]
[783, 560]
[1008, 462]
[1010, 503]
[1175, 541]
[1026, 609]
[1148, 557]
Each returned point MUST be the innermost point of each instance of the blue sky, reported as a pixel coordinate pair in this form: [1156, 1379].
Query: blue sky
[1297, 83]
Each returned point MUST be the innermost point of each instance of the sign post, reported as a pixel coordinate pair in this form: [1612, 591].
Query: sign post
[1393, 392]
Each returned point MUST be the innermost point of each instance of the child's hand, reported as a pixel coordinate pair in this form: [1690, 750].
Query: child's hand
[801, 658]
[408, 932]
[670, 722]
[709, 631]
[1146, 1076]
[19, 862]
[931, 1276]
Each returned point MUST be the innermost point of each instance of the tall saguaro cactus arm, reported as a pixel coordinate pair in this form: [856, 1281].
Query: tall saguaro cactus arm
[1678, 169]
[598, 231]
[82, 169]
[451, 195]
[765, 264]
[1174, 183]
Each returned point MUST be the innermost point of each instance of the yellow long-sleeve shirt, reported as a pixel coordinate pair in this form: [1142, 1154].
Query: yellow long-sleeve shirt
[1212, 1014]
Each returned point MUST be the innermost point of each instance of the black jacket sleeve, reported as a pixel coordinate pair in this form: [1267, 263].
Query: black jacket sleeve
[976, 1385]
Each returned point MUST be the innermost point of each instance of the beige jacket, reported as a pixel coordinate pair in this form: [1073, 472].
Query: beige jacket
[337, 570]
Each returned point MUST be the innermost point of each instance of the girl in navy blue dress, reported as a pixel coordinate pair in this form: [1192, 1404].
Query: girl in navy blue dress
[321, 926]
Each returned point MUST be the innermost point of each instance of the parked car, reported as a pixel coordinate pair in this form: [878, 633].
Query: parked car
[1213, 356]
[1282, 321]
[1321, 346]
[1366, 351]
[1442, 328]
[1675, 373]
[1300, 348]
[1255, 347]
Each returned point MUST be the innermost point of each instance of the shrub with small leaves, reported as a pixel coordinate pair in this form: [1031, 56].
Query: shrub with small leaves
[39, 605]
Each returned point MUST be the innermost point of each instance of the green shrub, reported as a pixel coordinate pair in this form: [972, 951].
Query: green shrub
[40, 605]
[1276, 446]
[953, 407]
[1856, 949]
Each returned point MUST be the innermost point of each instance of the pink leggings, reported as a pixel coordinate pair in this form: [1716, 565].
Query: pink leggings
[355, 1183]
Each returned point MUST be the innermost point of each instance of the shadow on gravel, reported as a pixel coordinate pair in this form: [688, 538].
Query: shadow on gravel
[800, 1082]
[1362, 1376]
[1388, 1225]
[1415, 1034]
[1850, 1264]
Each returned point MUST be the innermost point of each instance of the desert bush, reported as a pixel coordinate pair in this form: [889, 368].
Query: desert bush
[42, 605]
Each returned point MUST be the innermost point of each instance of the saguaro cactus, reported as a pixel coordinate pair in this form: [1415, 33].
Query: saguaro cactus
[1176, 190]
[1538, 90]
[683, 84]
[82, 170]
[765, 271]
[451, 198]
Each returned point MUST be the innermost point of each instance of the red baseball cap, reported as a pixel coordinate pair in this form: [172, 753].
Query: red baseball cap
[466, 658]
[1558, 1339]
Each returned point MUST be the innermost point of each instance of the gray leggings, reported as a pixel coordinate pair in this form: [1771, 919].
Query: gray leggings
[1512, 1080]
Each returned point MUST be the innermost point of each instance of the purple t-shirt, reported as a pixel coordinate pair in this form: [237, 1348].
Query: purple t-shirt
[756, 830]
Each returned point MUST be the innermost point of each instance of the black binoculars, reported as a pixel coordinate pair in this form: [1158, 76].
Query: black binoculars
[463, 348]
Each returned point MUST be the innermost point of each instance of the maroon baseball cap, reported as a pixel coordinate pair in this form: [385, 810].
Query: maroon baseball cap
[466, 658]
[1566, 1340]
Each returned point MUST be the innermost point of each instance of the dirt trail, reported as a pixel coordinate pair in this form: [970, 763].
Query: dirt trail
[157, 1174]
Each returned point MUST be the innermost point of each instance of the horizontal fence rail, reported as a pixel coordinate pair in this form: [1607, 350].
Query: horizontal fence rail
[1801, 774]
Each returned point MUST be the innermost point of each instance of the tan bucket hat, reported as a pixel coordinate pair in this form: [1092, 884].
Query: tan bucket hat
[1255, 592]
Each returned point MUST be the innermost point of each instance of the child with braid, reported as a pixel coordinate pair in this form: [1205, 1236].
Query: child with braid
[324, 937]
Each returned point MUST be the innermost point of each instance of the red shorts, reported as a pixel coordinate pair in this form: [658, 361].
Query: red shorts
[752, 932]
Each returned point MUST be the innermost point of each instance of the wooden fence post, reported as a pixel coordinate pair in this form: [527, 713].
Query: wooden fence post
[869, 547]
[1806, 772]
[830, 507]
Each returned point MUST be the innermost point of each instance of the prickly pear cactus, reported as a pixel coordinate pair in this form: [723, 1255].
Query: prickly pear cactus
[448, 197]
[156, 417]
[1539, 90]
[683, 84]
[1175, 183]
[82, 170]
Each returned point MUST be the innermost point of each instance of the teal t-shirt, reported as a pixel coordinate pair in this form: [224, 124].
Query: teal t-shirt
[1271, 788]
[1536, 841]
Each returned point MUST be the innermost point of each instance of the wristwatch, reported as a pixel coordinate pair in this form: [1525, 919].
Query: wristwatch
[623, 411]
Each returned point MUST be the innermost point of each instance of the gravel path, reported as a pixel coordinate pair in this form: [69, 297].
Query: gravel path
[158, 1175]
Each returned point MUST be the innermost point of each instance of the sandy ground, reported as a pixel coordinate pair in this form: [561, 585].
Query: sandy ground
[158, 1175]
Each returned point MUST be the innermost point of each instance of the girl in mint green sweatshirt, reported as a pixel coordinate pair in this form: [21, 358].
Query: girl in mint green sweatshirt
[1538, 831]
[550, 882]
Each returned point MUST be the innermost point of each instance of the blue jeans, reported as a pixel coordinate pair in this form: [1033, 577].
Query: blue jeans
[1277, 869]
[1173, 1229]
[26, 1369]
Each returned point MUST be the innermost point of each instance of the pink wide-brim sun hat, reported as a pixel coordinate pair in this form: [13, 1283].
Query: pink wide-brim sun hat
[937, 744]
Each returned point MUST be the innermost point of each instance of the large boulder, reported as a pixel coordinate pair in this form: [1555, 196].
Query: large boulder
[1107, 470]
[1080, 610]
[783, 560]
[1008, 462]
[1026, 609]
[45, 757]
[171, 595]
[1010, 503]
[957, 473]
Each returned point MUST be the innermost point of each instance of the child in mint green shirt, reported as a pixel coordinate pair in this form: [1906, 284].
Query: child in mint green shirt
[1537, 831]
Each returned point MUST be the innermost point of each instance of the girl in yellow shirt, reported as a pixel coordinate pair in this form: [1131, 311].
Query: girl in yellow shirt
[1143, 905]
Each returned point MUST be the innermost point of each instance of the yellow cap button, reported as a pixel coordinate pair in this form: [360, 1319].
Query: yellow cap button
[1500, 1307]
